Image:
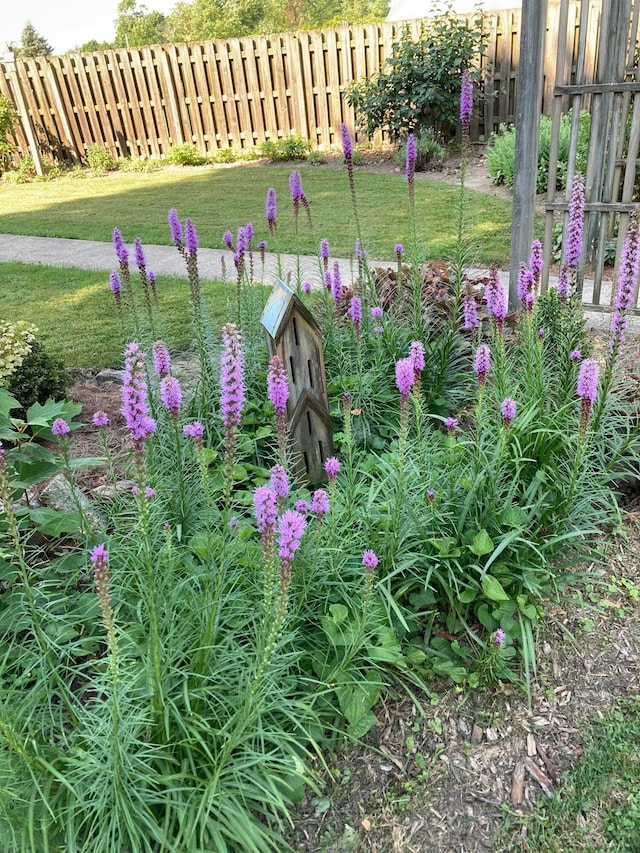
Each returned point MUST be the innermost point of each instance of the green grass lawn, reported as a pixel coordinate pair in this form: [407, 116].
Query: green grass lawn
[76, 312]
[86, 207]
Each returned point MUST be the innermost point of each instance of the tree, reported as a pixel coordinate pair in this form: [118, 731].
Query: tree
[32, 43]
[215, 19]
[137, 26]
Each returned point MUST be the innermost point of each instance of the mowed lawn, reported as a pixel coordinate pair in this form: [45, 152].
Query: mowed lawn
[219, 198]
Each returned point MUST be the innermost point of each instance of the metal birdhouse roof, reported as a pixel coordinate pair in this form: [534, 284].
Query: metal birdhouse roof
[279, 307]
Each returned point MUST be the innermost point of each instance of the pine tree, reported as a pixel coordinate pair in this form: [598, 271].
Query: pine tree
[32, 43]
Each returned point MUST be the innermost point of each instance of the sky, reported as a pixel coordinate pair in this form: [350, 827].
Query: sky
[65, 24]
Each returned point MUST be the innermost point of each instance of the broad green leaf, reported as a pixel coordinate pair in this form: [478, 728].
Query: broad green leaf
[485, 618]
[338, 613]
[466, 596]
[454, 671]
[51, 522]
[526, 608]
[357, 695]
[481, 544]
[363, 725]
[493, 589]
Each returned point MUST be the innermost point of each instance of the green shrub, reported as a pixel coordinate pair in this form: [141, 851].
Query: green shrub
[8, 120]
[420, 84]
[25, 172]
[224, 155]
[431, 152]
[100, 159]
[138, 165]
[294, 147]
[40, 377]
[186, 154]
[501, 151]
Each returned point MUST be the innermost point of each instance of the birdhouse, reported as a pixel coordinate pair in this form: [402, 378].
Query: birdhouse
[293, 333]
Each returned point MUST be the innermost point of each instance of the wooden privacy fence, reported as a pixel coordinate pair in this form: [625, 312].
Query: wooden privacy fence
[236, 93]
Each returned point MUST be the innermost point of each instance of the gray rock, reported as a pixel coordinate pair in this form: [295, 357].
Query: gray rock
[109, 374]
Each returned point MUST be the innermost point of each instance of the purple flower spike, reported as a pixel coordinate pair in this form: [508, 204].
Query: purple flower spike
[175, 227]
[466, 99]
[411, 157]
[416, 354]
[535, 262]
[525, 283]
[451, 424]
[377, 312]
[627, 283]
[331, 467]
[138, 254]
[431, 495]
[100, 419]
[277, 385]
[355, 311]
[149, 493]
[470, 311]
[227, 239]
[190, 237]
[508, 410]
[232, 393]
[135, 406]
[320, 503]
[575, 356]
[482, 362]
[336, 283]
[266, 508]
[347, 142]
[576, 222]
[161, 359]
[271, 209]
[60, 428]
[194, 431]
[306, 286]
[499, 637]
[279, 482]
[405, 376]
[587, 386]
[297, 193]
[171, 395]
[291, 526]
[324, 252]
[564, 283]
[302, 506]
[370, 559]
[398, 249]
[496, 301]
[119, 246]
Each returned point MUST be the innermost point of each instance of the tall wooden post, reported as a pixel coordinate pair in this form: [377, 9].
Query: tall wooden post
[528, 109]
[23, 112]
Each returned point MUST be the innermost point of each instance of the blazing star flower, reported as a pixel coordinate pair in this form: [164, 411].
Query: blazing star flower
[149, 493]
[232, 393]
[346, 399]
[115, 285]
[451, 424]
[575, 356]
[138, 254]
[355, 311]
[398, 249]
[100, 419]
[121, 250]
[161, 359]
[508, 409]
[576, 223]
[324, 252]
[60, 427]
[262, 247]
[135, 407]
[405, 376]
[100, 562]
[190, 237]
[470, 312]
[627, 282]
[499, 637]
[266, 508]
[496, 302]
[535, 261]
[541, 334]
[248, 230]
[306, 286]
[194, 431]
[227, 239]
[320, 503]
[302, 506]
[134, 490]
[171, 395]
[360, 252]
[587, 386]
[525, 282]
[377, 312]
[416, 354]
[564, 283]
[152, 281]
[332, 467]
[370, 559]
[482, 362]
[291, 526]
[336, 283]
[431, 495]
[271, 209]
[175, 227]
[234, 522]
[347, 143]
[297, 193]
[328, 280]
[411, 155]
[279, 482]
[277, 385]
[466, 99]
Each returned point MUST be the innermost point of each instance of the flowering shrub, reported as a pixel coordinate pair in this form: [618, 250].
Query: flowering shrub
[172, 675]
[15, 343]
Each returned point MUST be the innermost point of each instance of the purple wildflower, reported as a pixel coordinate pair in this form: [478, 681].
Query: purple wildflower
[266, 509]
[405, 376]
[171, 395]
[194, 431]
[121, 250]
[271, 209]
[302, 506]
[324, 252]
[470, 312]
[370, 559]
[346, 400]
[496, 302]
[535, 262]
[149, 493]
[499, 637]
[320, 503]
[297, 193]
[541, 334]
[564, 283]
[525, 282]
[100, 561]
[355, 311]
[347, 143]
[627, 282]
[291, 526]
[332, 467]
[152, 282]
[466, 100]
[576, 222]
[227, 239]
[234, 522]
[482, 362]
[377, 312]
[508, 409]
[60, 427]
[100, 419]
[411, 155]
[360, 252]
[161, 359]
[115, 286]
[328, 280]
[175, 227]
[135, 407]
[451, 424]
[336, 283]
[232, 395]
[279, 482]
[190, 237]
[575, 356]
[306, 287]
[416, 354]
[138, 254]
[277, 385]
[398, 249]
[587, 389]
[431, 495]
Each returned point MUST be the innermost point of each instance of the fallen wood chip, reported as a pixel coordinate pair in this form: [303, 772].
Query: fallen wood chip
[476, 734]
[549, 766]
[542, 780]
[531, 745]
[517, 784]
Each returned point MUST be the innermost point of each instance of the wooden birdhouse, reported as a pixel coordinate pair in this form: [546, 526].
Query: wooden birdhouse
[293, 333]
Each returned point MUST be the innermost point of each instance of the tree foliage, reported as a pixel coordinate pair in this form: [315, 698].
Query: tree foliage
[32, 43]
[136, 26]
[420, 86]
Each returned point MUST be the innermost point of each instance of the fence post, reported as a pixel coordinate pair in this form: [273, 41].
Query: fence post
[528, 109]
[23, 112]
